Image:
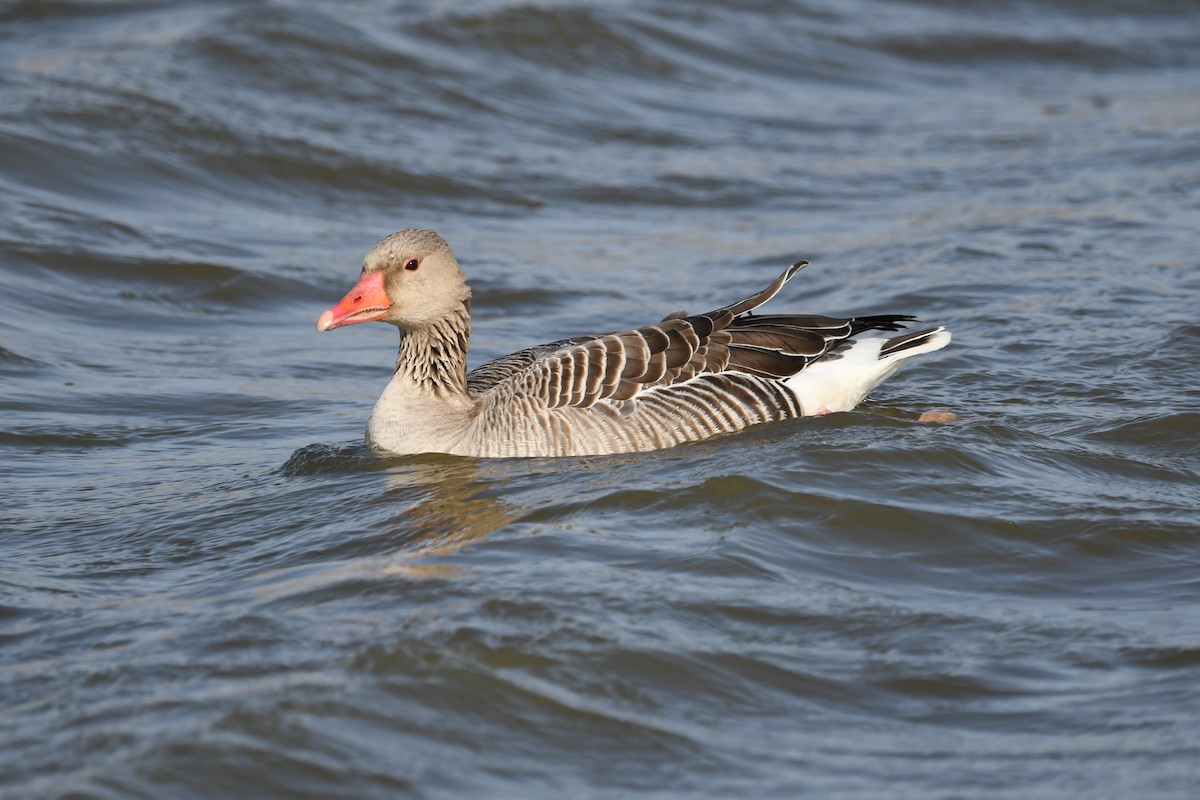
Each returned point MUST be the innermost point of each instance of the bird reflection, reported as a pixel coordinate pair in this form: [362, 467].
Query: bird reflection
[455, 502]
[442, 504]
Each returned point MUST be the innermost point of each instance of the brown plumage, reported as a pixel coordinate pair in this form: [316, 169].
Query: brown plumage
[680, 379]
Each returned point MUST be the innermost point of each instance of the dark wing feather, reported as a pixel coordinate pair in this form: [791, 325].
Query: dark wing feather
[779, 346]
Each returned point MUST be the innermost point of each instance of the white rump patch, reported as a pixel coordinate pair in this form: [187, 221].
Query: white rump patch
[841, 381]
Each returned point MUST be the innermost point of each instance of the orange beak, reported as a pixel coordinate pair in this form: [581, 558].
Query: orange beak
[366, 302]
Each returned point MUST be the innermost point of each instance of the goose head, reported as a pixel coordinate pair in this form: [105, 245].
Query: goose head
[409, 279]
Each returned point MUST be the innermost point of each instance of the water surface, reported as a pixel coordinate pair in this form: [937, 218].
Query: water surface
[209, 587]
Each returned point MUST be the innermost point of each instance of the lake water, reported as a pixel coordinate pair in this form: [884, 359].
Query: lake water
[210, 588]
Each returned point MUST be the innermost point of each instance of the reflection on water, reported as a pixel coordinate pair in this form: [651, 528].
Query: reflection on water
[459, 502]
[443, 503]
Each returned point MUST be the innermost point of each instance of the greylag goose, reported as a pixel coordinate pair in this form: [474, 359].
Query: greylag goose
[679, 380]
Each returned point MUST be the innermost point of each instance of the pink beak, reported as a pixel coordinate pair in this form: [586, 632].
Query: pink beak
[366, 302]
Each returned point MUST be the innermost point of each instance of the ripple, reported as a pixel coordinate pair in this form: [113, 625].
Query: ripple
[566, 38]
[38, 441]
[1167, 658]
[320, 459]
[40, 10]
[1169, 434]
[957, 48]
[12, 362]
[297, 51]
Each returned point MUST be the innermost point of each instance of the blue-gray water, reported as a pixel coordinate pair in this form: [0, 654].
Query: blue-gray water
[210, 588]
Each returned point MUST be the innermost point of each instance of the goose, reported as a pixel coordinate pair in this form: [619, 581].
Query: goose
[682, 379]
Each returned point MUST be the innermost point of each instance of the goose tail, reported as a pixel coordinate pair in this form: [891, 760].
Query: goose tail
[842, 379]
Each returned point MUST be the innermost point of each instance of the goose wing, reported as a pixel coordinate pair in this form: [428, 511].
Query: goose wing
[621, 365]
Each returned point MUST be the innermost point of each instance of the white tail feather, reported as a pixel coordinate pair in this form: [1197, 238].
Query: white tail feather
[841, 382]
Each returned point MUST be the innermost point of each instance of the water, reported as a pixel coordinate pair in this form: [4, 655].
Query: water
[210, 588]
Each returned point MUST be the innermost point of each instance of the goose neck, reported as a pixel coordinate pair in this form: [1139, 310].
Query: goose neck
[434, 356]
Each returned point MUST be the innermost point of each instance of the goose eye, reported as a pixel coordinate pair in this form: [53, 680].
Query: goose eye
[411, 265]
